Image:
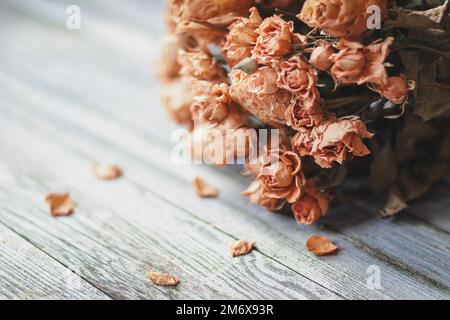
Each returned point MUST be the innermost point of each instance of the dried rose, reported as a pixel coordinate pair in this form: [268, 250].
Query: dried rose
[321, 56]
[241, 247]
[206, 19]
[211, 102]
[177, 100]
[396, 89]
[222, 143]
[241, 39]
[332, 141]
[163, 279]
[312, 205]
[168, 67]
[275, 40]
[281, 175]
[320, 246]
[356, 63]
[203, 189]
[273, 4]
[340, 18]
[106, 171]
[61, 204]
[295, 75]
[199, 64]
[305, 110]
[256, 195]
[259, 94]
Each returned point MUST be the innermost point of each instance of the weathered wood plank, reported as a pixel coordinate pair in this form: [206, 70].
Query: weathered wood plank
[28, 273]
[280, 238]
[138, 226]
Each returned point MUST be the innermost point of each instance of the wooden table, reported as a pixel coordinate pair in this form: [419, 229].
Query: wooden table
[69, 98]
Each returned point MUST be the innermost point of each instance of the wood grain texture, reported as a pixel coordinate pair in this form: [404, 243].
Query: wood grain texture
[70, 109]
[28, 273]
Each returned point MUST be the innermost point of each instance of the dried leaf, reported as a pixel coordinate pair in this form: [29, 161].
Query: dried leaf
[60, 204]
[431, 18]
[248, 65]
[107, 171]
[203, 189]
[320, 245]
[428, 87]
[241, 247]
[163, 279]
[383, 170]
[394, 204]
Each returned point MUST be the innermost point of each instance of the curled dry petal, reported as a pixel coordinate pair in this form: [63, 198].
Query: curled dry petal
[256, 195]
[241, 39]
[320, 246]
[275, 40]
[332, 141]
[241, 247]
[281, 175]
[356, 63]
[168, 67]
[321, 56]
[340, 18]
[106, 171]
[163, 279]
[199, 64]
[60, 204]
[259, 94]
[396, 89]
[211, 102]
[177, 100]
[273, 4]
[311, 206]
[203, 189]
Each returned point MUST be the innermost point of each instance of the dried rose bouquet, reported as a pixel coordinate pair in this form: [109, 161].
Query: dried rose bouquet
[352, 86]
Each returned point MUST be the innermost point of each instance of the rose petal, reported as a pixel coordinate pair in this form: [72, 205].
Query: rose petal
[203, 189]
[241, 247]
[107, 171]
[320, 246]
[163, 279]
[60, 204]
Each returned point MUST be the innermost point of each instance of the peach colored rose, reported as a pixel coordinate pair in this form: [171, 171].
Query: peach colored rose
[199, 64]
[206, 19]
[305, 110]
[295, 75]
[275, 40]
[241, 39]
[273, 4]
[332, 141]
[396, 89]
[311, 206]
[177, 99]
[256, 195]
[356, 63]
[321, 56]
[340, 18]
[216, 143]
[211, 102]
[281, 175]
[259, 94]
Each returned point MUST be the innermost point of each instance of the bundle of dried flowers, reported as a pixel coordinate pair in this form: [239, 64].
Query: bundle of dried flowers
[340, 79]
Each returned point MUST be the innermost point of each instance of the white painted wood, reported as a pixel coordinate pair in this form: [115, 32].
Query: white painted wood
[28, 273]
